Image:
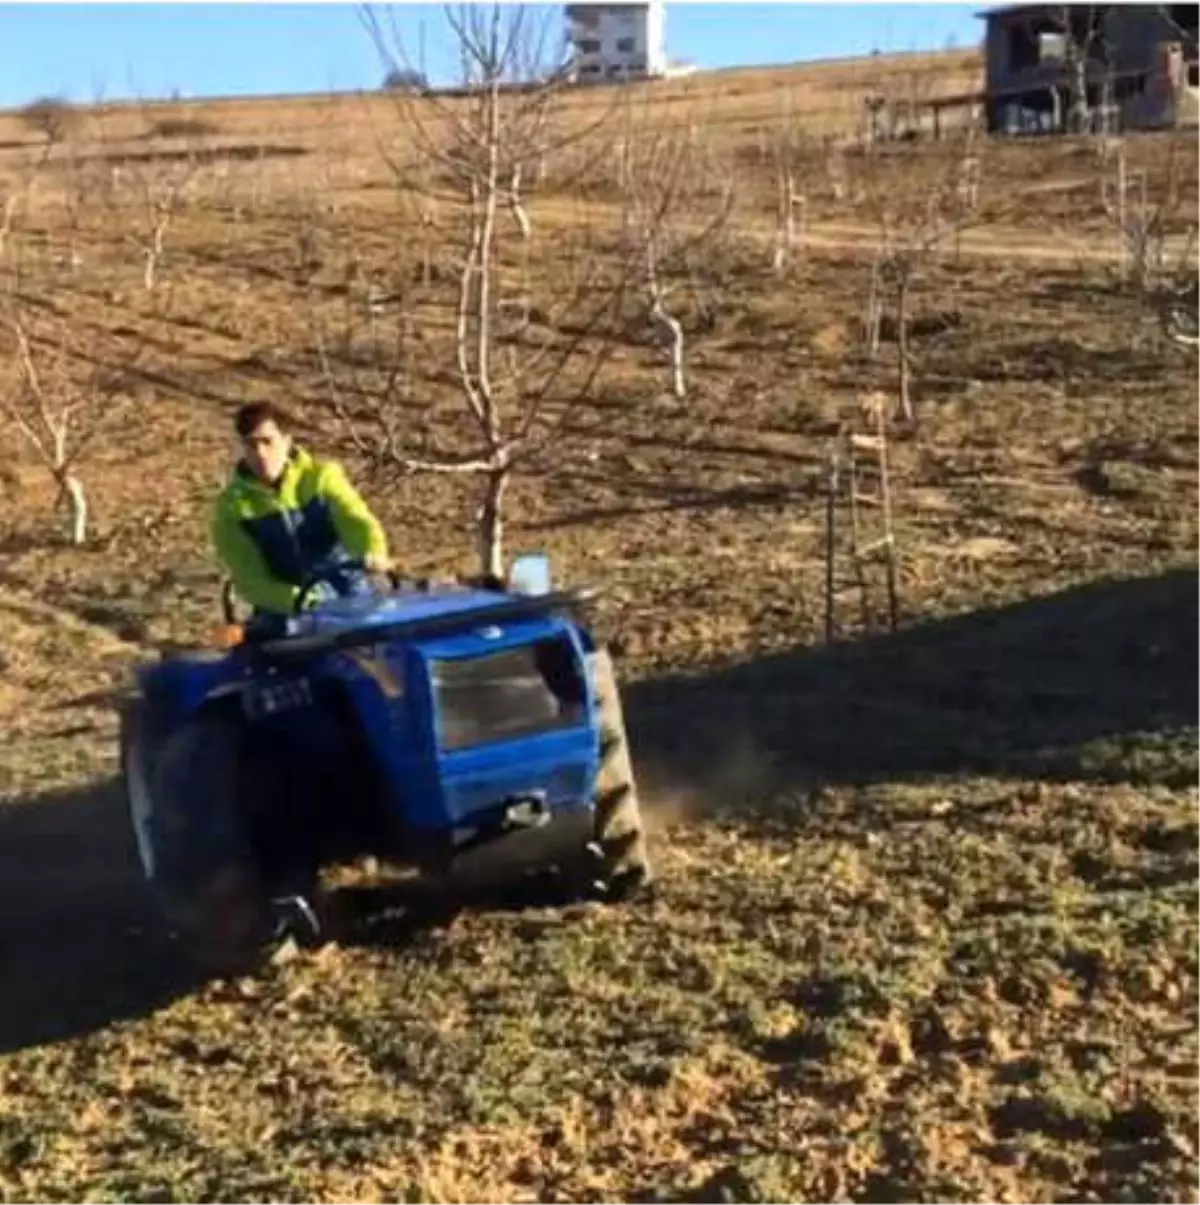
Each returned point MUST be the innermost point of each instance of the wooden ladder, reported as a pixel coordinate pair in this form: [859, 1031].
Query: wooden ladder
[858, 488]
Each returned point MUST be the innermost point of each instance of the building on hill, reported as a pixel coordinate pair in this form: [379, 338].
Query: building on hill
[617, 41]
[1090, 67]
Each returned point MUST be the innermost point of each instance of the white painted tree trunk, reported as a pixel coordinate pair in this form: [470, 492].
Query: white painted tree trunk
[665, 321]
[518, 205]
[672, 328]
[76, 501]
[153, 255]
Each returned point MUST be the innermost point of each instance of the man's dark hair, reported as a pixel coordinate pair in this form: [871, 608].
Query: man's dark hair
[252, 415]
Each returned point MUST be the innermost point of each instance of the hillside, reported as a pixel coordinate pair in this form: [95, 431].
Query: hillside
[824, 90]
[927, 922]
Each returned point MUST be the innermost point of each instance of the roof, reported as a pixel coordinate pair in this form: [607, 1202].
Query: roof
[1005, 10]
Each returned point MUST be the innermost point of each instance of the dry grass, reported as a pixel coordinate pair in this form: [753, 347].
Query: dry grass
[927, 921]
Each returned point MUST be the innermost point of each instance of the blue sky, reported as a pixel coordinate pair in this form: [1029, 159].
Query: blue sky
[82, 51]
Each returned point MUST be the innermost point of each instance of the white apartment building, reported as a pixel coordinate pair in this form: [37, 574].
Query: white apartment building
[617, 41]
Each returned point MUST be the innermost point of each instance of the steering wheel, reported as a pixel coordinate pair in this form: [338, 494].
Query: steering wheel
[328, 575]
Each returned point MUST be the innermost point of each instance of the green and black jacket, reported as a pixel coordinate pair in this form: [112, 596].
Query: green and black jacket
[272, 538]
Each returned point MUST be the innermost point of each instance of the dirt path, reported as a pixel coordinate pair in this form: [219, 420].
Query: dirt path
[1039, 245]
[996, 242]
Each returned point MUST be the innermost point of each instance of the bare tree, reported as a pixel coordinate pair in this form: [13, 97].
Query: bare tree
[149, 189]
[1142, 213]
[16, 193]
[913, 226]
[160, 195]
[51, 116]
[513, 389]
[80, 185]
[1158, 241]
[677, 199]
[54, 396]
[835, 169]
[57, 402]
[1081, 26]
[788, 149]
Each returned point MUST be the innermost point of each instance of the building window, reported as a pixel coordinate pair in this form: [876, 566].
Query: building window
[590, 69]
[1028, 46]
[1052, 47]
[1131, 85]
[626, 45]
[588, 46]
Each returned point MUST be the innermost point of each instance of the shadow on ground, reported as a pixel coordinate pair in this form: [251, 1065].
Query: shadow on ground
[1096, 682]
[79, 947]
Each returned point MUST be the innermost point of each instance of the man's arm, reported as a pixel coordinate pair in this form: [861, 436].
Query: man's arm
[360, 532]
[252, 579]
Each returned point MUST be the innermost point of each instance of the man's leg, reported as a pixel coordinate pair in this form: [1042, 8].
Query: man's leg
[283, 819]
[265, 625]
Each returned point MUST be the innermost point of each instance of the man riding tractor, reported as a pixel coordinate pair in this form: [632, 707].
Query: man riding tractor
[286, 517]
[285, 520]
[472, 731]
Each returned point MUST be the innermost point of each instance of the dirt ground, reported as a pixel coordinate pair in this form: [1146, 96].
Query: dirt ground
[926, 927]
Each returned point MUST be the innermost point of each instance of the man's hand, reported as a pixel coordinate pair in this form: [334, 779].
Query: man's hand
[377, 563]
[322, 592]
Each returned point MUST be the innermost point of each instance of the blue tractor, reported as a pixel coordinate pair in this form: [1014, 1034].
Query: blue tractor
[470, 731]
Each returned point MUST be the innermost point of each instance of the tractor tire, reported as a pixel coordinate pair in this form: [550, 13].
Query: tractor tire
[183, 796]
[622, 860]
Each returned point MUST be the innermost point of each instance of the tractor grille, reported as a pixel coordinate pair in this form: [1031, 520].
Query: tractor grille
[562, 786]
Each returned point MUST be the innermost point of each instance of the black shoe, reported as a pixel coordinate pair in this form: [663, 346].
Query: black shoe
[295, 917]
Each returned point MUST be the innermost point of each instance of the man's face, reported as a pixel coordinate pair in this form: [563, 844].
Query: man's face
[266, 450]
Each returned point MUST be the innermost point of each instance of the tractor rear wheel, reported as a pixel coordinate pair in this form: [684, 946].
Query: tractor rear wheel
[620, 835]
[183, 791]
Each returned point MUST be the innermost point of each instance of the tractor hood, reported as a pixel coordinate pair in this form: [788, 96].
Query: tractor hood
[409, 616]
[373, 611]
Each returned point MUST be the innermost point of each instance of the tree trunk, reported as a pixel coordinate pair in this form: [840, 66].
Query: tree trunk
[1079, 104]
[674, 330]
[10, 207]
[835, 169]
[76, 500]
[1075, 69]
[491, 524]
[785, 232]
[906, 406]
[517, 205]
[664, 321]
[427, 238]
[153, 254]
[873, 315]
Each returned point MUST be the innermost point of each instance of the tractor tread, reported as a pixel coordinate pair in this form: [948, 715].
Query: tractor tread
[620, 833]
